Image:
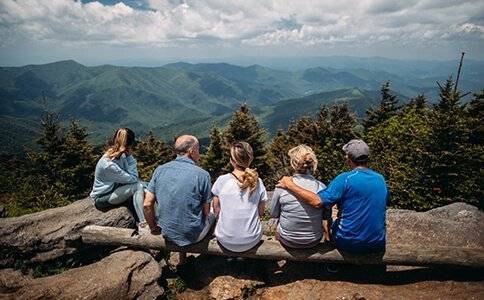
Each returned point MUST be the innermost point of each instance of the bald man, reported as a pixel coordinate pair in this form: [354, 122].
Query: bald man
[182, 191]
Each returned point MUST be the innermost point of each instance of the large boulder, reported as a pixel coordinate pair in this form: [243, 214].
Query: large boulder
[54, 233]
[457, 224]
[329, 289]
[125, 274]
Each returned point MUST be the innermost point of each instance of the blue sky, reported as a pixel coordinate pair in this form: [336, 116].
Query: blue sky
[96, 32]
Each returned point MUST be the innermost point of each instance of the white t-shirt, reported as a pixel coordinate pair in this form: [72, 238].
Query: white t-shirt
[238, 227]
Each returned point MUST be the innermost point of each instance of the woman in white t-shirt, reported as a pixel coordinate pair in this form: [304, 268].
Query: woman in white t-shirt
[239, 201]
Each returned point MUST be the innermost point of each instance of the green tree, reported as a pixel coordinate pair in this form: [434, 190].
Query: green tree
[151, 152]
[214, 160]
[76, 163]
[447, 148]
[387, 109]
[336, 126]
[419, 102]
[59, 173]
[244, 127]
[398, 148]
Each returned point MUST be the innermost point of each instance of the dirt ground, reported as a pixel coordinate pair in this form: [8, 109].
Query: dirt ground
[212, 277]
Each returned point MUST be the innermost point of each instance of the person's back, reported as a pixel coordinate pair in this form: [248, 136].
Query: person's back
[300, 224]
[362, 195]
[181, 188]
[239, 200]
[238, 227]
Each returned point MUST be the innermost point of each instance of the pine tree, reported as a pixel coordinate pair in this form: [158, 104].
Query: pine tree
[214, 160]
[388, 108]
[278, 159]
[59, 173]
[337, 126]
[76, 163]
[398, 151]
[447, 147]
[150, 152]
[419, 102]
[244, 127]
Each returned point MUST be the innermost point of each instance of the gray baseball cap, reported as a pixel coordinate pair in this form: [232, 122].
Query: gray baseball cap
[357, 150]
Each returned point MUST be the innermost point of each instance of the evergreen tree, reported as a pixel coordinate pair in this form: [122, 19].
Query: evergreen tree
[419, 102]
[150, 152]
[447, 148]
[244, 127]
[337, 127]
[60, 172]
[76, 163]
[214, 160]
[388, 108]
[398, 148]
[472, 187]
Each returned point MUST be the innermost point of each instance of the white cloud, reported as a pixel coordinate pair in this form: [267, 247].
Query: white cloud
[246, 23]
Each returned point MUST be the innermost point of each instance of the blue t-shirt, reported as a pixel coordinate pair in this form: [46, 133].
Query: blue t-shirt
[181, 188]
[361, 195]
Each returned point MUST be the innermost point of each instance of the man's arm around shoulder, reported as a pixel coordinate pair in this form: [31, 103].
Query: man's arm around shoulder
[301, 194]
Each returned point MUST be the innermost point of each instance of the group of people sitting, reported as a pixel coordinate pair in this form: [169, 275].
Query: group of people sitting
[181, 203]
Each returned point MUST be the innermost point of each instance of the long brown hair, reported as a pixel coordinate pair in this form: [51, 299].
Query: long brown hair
[123, 140]
[242, 155]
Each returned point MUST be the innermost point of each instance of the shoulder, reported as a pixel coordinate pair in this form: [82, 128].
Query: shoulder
[377, 175]
[222, 178]
[201, 171]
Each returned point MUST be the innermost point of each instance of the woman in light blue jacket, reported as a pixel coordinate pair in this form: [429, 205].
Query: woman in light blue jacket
[116, 175]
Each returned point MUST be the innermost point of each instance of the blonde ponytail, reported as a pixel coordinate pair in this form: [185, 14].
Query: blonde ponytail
[242, 155]
[122, 140]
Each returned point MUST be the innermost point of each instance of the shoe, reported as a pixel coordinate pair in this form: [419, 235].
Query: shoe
[143, 228]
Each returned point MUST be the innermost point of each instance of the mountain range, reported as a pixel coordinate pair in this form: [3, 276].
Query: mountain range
[183, 97]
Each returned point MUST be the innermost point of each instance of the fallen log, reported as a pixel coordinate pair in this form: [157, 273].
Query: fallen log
[270, 249]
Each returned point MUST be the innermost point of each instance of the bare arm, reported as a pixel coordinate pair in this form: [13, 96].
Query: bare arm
[206, 209]
[262, 208]
[216, 205]
[149, 211]
[301, 194]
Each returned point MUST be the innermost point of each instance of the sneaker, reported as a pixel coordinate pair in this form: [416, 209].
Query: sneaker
[143, 228]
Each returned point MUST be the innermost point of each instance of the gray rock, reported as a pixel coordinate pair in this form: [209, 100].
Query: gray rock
[122, 275]
[54, 233]
[457, 224]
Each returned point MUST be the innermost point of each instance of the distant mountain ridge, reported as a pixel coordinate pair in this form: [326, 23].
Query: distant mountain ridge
[178, 97]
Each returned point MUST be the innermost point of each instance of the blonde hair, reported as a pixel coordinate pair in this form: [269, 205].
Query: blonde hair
[242, 155]
[303, 159]
[122, 140]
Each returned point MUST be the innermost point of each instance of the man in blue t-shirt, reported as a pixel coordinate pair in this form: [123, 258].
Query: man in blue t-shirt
[361, 195]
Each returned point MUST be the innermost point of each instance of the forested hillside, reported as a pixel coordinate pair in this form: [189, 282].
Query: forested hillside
[184, 97]
[430, 154]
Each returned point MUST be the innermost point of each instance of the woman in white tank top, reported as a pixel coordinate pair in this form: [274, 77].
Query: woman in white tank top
[239, 201]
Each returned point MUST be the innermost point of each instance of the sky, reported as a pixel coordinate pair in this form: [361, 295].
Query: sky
[107, 31]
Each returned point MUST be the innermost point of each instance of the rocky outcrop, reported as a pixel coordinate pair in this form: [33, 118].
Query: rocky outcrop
[324, 289]
[228, 287]
[54, 233]
[122, 275]
[457, 224]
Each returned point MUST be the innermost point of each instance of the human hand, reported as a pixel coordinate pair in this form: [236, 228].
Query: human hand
[285, 182]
